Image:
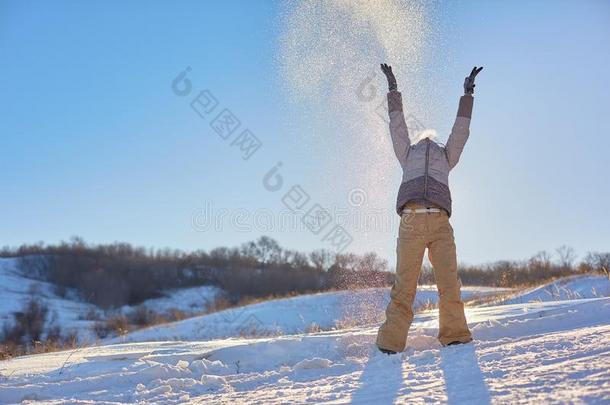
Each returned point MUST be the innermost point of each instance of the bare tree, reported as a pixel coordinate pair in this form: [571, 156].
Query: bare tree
[322, 259]
[298, 260]
[597, 261]
[266, 250]
[346, 261]
[248, 250]
[541, 263]
[371, 262]
[567, 256]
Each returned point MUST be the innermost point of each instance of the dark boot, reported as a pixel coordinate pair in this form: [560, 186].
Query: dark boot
[457, 342]
[386, 351]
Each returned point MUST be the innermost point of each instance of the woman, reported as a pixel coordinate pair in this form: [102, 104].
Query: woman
[424, 204]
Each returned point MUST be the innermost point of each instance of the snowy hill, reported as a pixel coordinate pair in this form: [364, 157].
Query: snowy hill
[545, 352]
[342, 309]
[565, 289]
[299, 314]
[73, 315]
[191, 300]
[16, 290]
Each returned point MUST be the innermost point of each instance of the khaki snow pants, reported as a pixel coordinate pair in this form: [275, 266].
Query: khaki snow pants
[418, 232]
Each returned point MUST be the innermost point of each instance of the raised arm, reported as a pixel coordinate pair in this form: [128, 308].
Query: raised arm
[398, 125]
[461, 127]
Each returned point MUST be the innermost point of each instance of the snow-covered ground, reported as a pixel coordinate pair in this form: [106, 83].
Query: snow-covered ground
[547, 351]
[307, 313]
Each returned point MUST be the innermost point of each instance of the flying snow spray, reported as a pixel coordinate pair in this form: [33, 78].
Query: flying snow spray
[329, 57]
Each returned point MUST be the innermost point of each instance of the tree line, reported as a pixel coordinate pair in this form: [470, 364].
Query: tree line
[116, 274]
[112, 275]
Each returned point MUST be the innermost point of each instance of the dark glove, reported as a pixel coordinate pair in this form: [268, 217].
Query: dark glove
[387, 71]
[469, 81]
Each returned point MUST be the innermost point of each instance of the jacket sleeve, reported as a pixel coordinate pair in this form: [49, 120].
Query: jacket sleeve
[461, 130]
[398, 126]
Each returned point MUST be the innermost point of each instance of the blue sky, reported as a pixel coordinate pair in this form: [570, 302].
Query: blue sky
[95, 143]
